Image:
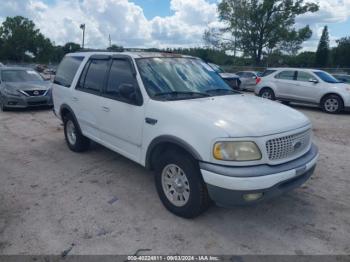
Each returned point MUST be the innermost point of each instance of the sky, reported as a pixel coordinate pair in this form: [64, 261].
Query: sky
[152, 23]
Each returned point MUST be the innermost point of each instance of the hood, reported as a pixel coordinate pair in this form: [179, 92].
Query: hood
[32, 85]
[241, 115]
[228, 75]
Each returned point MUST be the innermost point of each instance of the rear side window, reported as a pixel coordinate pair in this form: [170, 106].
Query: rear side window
[93, 76]
[286, 75]
[67, 70]
[267, 73]
[120, 74]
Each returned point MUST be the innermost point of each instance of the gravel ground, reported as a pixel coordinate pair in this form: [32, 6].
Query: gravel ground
[51, 197]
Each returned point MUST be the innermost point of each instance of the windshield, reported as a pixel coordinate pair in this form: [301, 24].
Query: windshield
[180, 78]
[327, 77]
[20, 76]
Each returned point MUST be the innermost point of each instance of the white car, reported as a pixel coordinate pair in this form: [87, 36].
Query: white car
[310, 86]
[249, 79]
[173, 114]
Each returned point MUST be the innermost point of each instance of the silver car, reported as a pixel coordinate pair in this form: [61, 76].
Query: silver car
[22, 88]
[307, 86]
[248, 79]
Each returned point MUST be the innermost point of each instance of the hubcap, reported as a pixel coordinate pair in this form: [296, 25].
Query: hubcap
[175, 185]
[71, 133]
[267, 95]
[331, 105]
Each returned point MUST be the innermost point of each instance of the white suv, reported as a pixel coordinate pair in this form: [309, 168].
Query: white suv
[174, 114]
[308, 86]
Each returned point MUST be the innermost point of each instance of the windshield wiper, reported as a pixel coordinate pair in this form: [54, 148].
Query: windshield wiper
[178, 94]
[221, 91]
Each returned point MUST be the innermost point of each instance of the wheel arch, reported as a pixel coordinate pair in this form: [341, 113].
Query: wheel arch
[331, 93]
[162, 143]
[65, 110]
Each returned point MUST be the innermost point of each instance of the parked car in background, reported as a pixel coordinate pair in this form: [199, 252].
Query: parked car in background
[173, 114]
[231, 79]
[23, 87]
[343, 77]
[249, 79]
[308, 86]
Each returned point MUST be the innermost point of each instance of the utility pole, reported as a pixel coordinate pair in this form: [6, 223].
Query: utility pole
[110, 41]
[82, 27]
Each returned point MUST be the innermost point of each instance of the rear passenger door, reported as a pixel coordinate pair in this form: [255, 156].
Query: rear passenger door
[87, 100]
[285, 84]
[122, 118]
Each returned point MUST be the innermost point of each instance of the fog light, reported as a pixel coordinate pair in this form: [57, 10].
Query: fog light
[252, 197]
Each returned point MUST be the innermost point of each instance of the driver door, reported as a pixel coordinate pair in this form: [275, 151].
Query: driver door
[122, 119]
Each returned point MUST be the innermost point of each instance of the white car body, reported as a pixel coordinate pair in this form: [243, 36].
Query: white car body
[195, 125]
[248, 79]
[310, 90]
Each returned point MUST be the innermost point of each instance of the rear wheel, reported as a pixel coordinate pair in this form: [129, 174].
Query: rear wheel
[76, 141]
[267, 93]
[332, 104]
[180, 185]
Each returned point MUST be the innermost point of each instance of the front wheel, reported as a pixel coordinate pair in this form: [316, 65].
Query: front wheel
[76, 141]
[180, 185]
[332, 104]
[267, 93]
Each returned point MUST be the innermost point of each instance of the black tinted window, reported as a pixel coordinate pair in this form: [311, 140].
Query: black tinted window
[120, 74]
[67, 70]
[95, 75]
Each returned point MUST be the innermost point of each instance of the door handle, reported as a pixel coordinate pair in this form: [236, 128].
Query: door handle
[106, 109]
[75, 99]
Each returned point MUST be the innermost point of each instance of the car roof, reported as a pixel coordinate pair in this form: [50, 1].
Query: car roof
[133, 54]
[294, 69]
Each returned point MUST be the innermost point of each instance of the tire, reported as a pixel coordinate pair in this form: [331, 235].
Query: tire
[2, 106]
[267, 93]
[76, 141]
[332, 104]
[188, 185]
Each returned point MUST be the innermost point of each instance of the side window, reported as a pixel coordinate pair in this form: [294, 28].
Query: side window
[305, 77]
[120, 75]
[67, 70]
[93, 76]
[286, 75]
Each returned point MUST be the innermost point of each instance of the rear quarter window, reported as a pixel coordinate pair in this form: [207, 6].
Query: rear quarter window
[67, 70]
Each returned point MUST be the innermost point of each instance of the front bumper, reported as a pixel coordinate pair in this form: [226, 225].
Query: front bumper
[229, 186]
[24, 102]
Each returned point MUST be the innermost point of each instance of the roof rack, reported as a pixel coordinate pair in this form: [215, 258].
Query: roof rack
[128, 49]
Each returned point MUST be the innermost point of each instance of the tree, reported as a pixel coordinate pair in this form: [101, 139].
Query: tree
[322, 53]
[341, 53]
[256, 27]
[115, 48]
[18, 37]
[71, 47]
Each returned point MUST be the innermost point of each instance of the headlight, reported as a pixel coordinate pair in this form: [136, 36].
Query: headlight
[236, 151]
[11, 92]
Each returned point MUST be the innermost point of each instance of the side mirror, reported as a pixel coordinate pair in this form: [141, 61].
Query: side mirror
[254, 77]
[313, 81]
[129, 92]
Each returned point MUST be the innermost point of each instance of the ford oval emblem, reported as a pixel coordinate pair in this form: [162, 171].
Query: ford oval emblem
[297, 145]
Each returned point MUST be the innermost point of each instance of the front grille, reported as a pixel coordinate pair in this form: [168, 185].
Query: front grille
[35, 92]
[288, 146]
